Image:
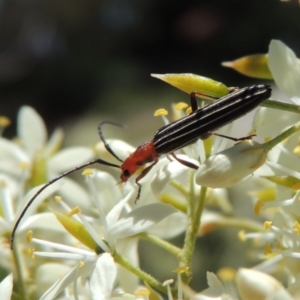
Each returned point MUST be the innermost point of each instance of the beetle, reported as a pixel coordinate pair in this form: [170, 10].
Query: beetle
[199, 124]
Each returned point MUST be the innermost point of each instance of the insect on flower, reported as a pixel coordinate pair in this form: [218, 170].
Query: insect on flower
[199, 124]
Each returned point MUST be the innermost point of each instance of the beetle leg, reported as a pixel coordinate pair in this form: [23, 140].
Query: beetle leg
[194, 104]
[143, 173]
[248, 137]
[184, 162]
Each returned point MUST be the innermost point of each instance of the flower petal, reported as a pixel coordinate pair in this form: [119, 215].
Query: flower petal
[66, 280]
[121, 149]
[31, 130]
[263, 122]
[75, 195]
[285, 68]
[107, 189]
[168, 172]
[170, 227]
[54, 143]
[140, 220]
[6, 287]
[103, 277]
[40, 198]
[114, 214]
[69, 158]
[46, 275]
[13, 152]
[215, 290]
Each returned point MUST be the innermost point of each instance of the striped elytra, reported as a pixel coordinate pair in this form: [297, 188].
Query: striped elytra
[204, 120]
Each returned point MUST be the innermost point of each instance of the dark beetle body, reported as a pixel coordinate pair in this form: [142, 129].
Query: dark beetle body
[204, 120]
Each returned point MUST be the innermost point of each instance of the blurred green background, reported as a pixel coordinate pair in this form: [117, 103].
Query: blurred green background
[80, 62]
[69, 58]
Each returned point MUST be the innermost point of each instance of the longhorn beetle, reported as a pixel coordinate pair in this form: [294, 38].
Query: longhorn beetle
[199, 124]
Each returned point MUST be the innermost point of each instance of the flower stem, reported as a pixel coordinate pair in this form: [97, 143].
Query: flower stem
[20, 272]
[170, 199]
[270, 144]
[194, 216]
[161, 243]
[281, 106]
[138, 272]
[243, 223]
[178, 185]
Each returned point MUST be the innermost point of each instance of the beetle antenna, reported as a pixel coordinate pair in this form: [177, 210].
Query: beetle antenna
[96, 161]
[106, 145]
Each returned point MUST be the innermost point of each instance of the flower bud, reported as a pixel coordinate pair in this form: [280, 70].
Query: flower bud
[252, 65]
[253, 284]
[228, 167]
[195, 83]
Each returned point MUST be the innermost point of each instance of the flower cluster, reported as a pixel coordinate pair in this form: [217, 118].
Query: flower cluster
[80, 241]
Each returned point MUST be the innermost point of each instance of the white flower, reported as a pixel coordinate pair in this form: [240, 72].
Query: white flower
[9, 196]
[112, 231]
[32, 160]
[102, 277]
